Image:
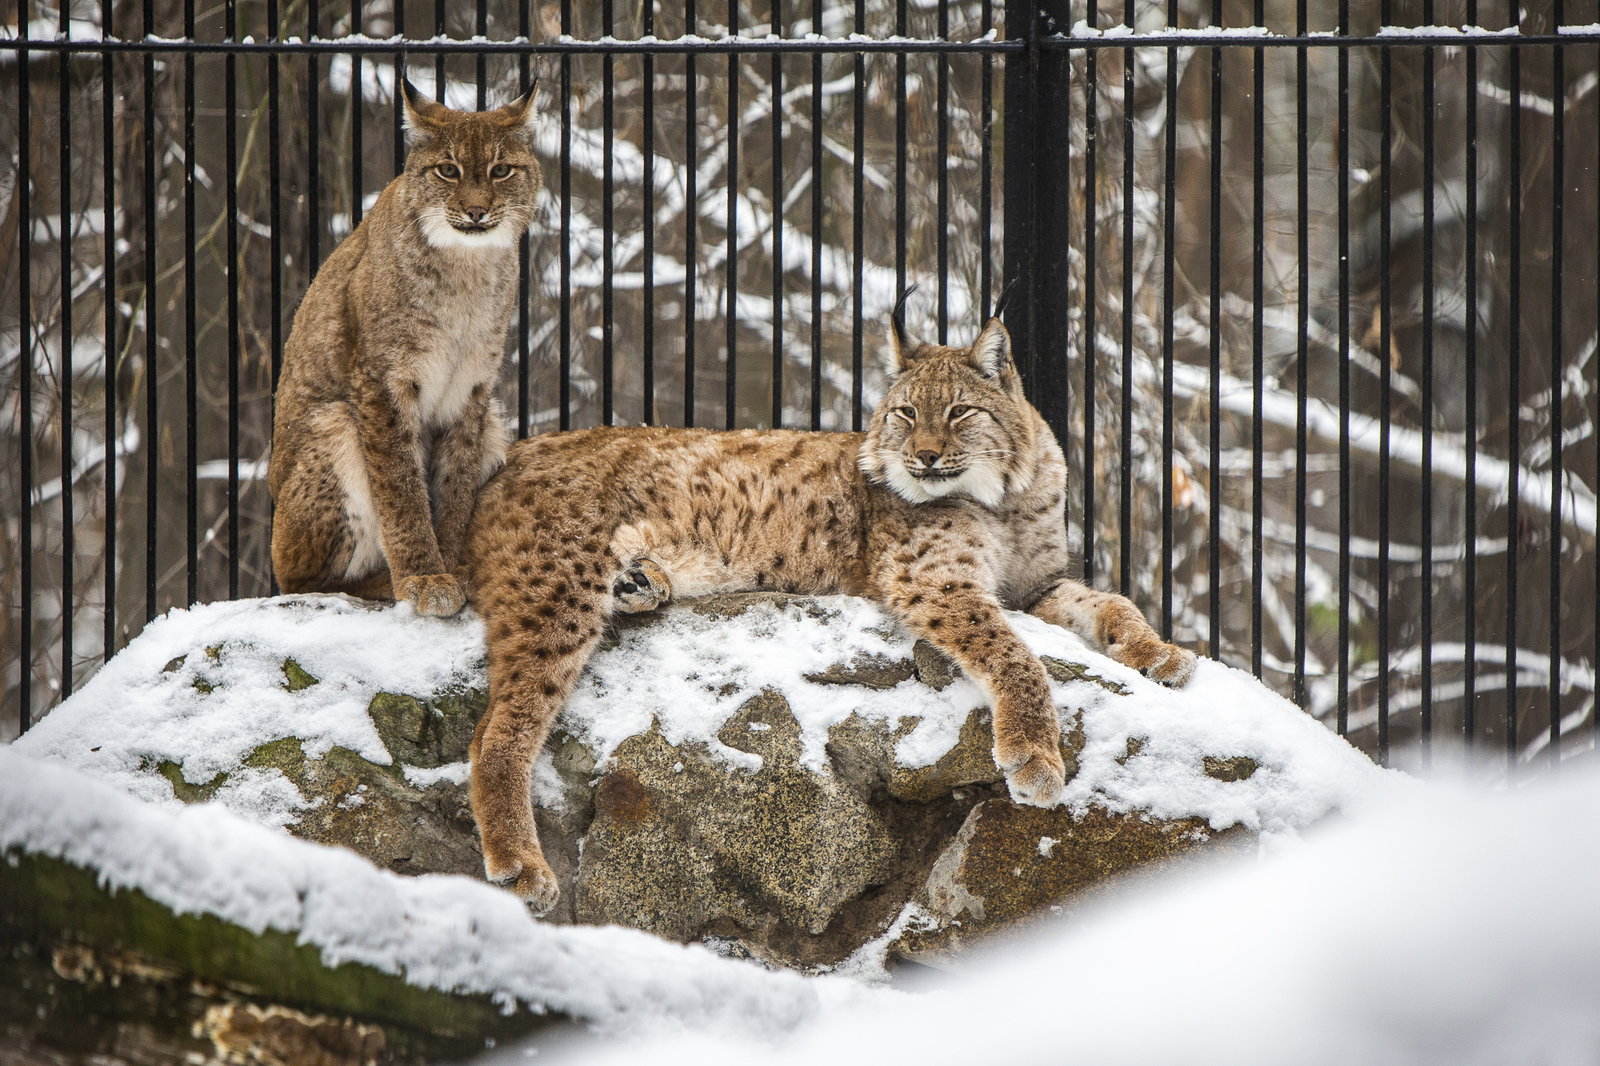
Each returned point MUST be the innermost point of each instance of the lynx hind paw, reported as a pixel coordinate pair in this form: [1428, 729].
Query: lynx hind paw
[1038, 782]
[1166, 664]
[436, 595]
[530, 880]
[641, 587]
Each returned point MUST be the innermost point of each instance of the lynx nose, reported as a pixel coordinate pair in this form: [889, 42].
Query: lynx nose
[475, 214]
[928, 458]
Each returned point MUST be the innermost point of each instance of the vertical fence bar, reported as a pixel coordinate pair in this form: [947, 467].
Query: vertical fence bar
[1469, 622]
[1020, 222]
[1125, 478]
[731, 406]
[438, 59]
[108, 184]
[985, 165]
[1302, 228]
[231, 136]
[64, 246]
[151, 348]
[483, 57]
[1258, 249]
[942, 209]
[776, 89]
[274, 215]
[608, 188]
[1091, 127]
[691, 212]
[1214, 540]
[191, 372]
[25, 366]
[1386, 374]
[356, 95]
[1557, 202]
[858, 263]
[565, 310]
[648, 217]
[1514, 395]
[314, 146]
[816, 221]
[1427, 398]
[524, 83]
[399, 117]
[900, 161]
[1169, 221]
[1037, 212]
[1342, 715]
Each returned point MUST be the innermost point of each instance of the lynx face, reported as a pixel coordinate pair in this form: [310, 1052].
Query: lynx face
[472, 177]
[952, 422]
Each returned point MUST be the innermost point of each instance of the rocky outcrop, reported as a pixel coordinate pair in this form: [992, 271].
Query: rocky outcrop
[741, 838]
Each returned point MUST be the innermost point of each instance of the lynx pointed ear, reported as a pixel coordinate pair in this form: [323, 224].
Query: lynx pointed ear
[991, 352]
[421, 114]
[520, 111]
[897, 356]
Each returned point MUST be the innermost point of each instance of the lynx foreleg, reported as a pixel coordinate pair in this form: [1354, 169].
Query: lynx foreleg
[463, 459]
[1112, 624]
[391, 445]
[966, 623]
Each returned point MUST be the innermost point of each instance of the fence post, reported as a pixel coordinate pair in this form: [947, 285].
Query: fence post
[1037, 144]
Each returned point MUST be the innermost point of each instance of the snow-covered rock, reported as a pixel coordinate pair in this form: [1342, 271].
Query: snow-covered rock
[791, 778]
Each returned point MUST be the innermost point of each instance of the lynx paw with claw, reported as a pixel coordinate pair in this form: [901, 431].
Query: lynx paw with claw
[644, 586]
[530, 880]
[438, 595]
[1167, 664]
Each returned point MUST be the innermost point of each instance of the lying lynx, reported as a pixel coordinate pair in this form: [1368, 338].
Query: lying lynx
[386, 422]
[948, 511]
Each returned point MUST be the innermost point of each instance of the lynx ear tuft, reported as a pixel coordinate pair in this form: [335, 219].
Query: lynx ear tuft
[897, 355]
[991, 352]
[422, 116]
[520, 111]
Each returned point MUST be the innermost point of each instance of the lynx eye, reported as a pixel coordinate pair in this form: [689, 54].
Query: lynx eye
[907, 413]
[448, 171]
[500, 171]
[958, 410]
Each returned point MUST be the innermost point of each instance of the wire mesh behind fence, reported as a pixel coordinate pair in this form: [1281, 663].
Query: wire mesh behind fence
[1313, 310]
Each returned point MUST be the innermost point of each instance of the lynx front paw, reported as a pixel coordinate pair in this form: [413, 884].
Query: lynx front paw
[530, 879]
[1165, 663]
[439, 595]
[641, 587]
[1039, 781]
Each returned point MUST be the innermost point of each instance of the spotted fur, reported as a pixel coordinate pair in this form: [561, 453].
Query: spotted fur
[385, 423]
[948, 511]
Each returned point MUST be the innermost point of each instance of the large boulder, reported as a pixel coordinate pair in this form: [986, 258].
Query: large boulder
[793, 779]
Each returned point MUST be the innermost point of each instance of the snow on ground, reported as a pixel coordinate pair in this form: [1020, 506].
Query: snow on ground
[1455, 928]
[443, 932]
[688, 673]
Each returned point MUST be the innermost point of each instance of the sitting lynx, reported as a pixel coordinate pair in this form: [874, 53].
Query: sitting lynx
[386, 422]
[949, 510]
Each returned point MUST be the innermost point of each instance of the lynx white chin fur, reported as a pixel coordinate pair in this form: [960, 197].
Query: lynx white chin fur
[580, 525]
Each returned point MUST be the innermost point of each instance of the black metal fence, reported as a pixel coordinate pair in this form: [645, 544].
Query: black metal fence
[1311, 306]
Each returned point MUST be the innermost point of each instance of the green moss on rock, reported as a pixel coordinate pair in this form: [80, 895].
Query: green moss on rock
[183, 789]
[78, 960]
[296, 678]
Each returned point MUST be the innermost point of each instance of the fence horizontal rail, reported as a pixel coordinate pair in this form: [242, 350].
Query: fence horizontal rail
[515, 47]
[1419, 37]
